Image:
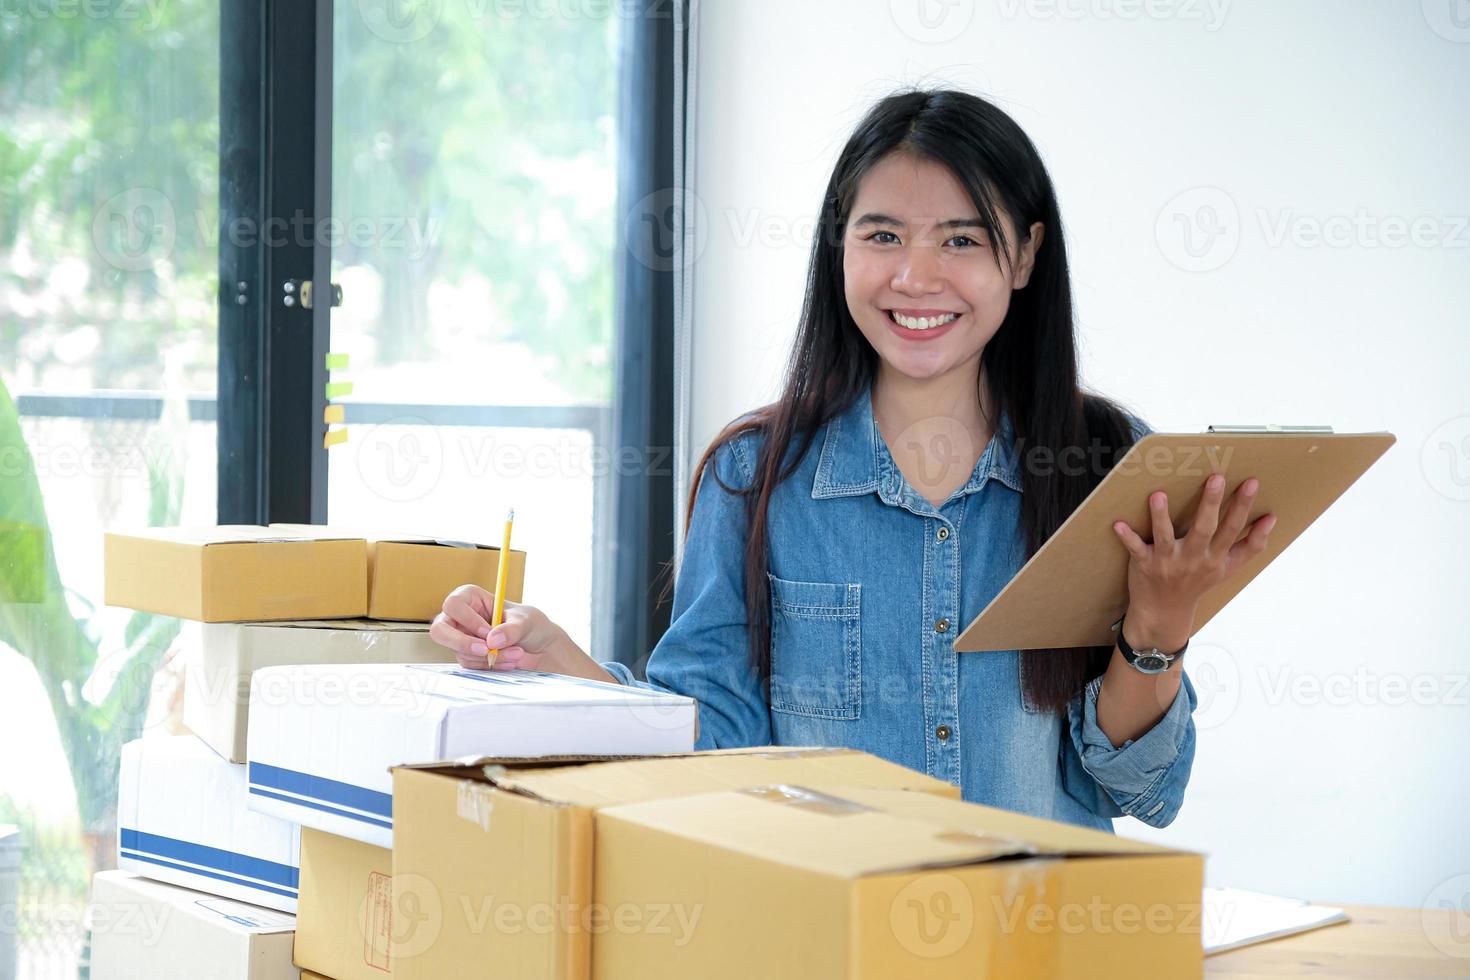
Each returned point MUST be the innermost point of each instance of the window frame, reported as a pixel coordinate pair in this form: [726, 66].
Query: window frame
[272, 356]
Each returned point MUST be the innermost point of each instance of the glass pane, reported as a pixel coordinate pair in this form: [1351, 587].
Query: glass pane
[108, 217]
[462, 478]
[473, 185]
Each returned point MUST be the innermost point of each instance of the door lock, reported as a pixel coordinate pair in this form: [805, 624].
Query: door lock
[300, 290]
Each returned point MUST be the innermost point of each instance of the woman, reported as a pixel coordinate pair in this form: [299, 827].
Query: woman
[840, 537]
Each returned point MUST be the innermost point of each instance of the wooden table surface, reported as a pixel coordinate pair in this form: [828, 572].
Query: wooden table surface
[1376, 942]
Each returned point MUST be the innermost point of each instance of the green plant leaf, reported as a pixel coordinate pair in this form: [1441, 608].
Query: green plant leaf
[34, 617]
[60, 645]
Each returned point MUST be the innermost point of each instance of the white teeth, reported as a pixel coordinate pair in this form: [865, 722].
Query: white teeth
[923, 322]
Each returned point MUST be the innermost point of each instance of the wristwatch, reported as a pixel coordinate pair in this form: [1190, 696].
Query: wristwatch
[1150, 661]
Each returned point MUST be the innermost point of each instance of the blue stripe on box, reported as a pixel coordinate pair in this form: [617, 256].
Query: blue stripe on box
[320, 788]
[236, 866]
[242, 882]
[336, 811]
[256, 886]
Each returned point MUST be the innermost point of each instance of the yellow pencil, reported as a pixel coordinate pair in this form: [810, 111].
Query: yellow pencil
[500, 573]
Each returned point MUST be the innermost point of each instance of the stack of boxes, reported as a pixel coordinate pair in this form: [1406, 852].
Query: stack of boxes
[331, 629]
[384, 814]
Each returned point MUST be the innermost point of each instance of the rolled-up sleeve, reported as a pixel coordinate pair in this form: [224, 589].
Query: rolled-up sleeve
[1144, 777]
[622, 673]
[704, 654]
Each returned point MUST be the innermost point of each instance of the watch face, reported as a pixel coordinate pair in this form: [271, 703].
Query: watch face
[1152, 663]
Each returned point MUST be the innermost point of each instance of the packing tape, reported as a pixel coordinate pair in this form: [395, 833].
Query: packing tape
[806, 799]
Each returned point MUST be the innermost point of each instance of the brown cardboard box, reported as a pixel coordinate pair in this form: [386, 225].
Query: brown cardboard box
[217, 679]
[344, 925]
[409, 576]
[234, 573]
[783, 881]
[497, 855]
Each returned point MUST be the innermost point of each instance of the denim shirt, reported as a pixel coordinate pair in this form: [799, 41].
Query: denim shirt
[870, 584]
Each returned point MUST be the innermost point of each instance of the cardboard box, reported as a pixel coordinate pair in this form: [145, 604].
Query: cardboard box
[323, 737]
[344, 926]
[217, 680]
[182, 818]
[785, 881]
[143, 928]
[235, 573]
[409, 575]
[496, 855]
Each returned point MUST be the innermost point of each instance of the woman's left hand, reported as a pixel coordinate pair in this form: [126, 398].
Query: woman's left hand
[1167, 579]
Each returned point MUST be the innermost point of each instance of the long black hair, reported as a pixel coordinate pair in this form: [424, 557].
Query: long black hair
[1030, 364]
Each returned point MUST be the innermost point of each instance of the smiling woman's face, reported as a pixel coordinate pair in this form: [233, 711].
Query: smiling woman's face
[921, 280]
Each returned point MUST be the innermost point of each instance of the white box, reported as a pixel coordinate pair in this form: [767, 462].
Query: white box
[322, 738]
[182, 818]
[143, 928]
[217, 680]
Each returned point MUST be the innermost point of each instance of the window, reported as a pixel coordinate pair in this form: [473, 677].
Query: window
[108, 209]
[473, 187]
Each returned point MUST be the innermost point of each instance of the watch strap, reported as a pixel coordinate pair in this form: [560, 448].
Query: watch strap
[1130, 655]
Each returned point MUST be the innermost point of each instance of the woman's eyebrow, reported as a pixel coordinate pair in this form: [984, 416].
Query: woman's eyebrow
[873, 218]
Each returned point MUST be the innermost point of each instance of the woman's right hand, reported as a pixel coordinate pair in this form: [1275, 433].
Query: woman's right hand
[526, 638]
[523, 639]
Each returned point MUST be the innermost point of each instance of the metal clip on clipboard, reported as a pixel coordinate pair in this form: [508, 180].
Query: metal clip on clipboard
[1270, 428]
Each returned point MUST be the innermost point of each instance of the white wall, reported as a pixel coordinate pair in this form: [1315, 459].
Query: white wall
[1316, 775]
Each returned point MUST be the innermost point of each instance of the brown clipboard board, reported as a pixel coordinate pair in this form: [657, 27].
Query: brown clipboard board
[1074, 590]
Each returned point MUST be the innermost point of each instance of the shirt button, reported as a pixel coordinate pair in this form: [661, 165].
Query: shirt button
[942, 626]
[942, 733]
[943, 533]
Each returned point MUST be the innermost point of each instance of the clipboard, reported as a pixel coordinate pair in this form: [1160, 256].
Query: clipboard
[1074, 590]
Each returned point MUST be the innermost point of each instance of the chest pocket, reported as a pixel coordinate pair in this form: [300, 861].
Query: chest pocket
[816, 648]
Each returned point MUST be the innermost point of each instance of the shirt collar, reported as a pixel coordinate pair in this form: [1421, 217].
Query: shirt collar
[855, 460]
